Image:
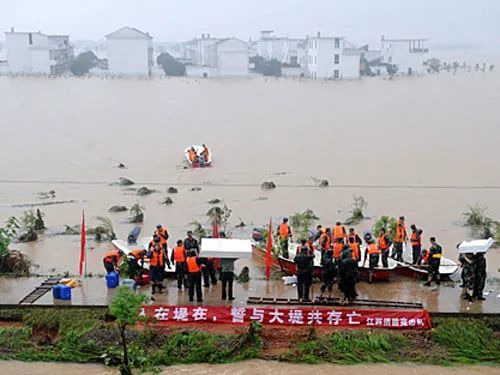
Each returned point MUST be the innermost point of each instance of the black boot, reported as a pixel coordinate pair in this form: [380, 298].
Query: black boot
[153, 288]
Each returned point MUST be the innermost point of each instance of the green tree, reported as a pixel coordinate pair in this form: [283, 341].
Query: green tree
[5, 239]
[126, 307]
[137, 213]
[358, 205]
[386, 222]
[268, 68]
[83, 63]
[170, 65]
[28, 225]
[302, 222]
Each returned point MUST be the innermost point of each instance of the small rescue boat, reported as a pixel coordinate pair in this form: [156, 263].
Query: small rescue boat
[287, 265]
[201, 163]
[379, 273]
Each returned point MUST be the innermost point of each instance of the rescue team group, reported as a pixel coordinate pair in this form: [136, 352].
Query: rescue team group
[341, 254]
[190, 269]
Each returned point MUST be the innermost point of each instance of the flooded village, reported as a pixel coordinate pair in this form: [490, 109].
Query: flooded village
[316, 129]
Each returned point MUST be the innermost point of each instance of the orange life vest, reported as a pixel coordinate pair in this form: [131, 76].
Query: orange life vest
[337, 249]
[355, 249]
[162, 233]
[310, 245]
[415, 239]
[382, 243]
[400, 232]
[325, 238]
[112, 256]
[204, 153]
[284, 230]
[353, 236]
[192, 265]
[425, 256]
[338, 232]
[180, 254]
[373, 249]
[192, 155]
[157, 258]
[137, 254]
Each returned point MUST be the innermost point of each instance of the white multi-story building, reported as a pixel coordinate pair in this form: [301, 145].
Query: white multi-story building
[408, 55]
[331, 58]
[289, 51]
[195, 51]
[130, 52]
[228, 58]
[34, 52]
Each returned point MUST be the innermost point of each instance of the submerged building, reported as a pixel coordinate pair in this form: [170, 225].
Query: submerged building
[331, 57]
[37, 53]
[130, 52]
[408, 55]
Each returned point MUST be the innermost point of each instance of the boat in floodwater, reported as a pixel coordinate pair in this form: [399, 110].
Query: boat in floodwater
[199, 151]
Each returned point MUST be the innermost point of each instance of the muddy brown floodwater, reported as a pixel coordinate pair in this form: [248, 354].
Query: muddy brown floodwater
[420, 147]
[253, 367]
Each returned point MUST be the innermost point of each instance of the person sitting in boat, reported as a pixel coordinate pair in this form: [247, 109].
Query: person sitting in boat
[205, 153]
[193, 156]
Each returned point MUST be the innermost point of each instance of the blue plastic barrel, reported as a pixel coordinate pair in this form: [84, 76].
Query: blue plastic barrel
[56, 291]
[65, 292]
[112, 279]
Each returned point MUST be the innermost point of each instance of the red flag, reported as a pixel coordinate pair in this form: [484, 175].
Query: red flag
[215, 229]
[82, 244]
[269, 249]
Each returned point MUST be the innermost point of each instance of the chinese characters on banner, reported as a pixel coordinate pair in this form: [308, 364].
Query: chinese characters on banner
[352, 318]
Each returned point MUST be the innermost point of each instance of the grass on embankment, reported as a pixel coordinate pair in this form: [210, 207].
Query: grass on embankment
[88, 336]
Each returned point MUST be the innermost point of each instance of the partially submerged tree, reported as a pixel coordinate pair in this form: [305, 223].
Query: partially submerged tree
[302, 222]
[12, 262]
[198, 231]
[358, 205]
[104, 230]
[126, 307]
[83, 63]
[170, 65]
[39, 223]
[28, 226]
[480, 223]
[137, 213]
[268, 68]
[221, 215]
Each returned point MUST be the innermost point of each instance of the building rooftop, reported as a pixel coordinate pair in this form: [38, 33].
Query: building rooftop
[403, 39]
[128, 32]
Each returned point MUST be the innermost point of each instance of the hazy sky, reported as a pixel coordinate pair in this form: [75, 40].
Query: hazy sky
[444, 21]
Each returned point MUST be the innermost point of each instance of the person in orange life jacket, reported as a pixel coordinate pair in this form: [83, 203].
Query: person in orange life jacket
[310, 245]
[325, 243]
[400, 237]
[416, 243]
[179, 259]
[338, 231]
[136, 263]
[354, 246]
[305, 266]
[435, 255]
[111, 260]
[193, 156]
[205, 153]
[194, 267]
[338, 246]
[373, 252]
[157, 262]
[153, 242]
[384, 245]
[163, 234]
[352, 234]
[284, 233]
[191, 243]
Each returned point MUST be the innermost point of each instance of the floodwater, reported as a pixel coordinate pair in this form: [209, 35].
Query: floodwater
[252, 367]
[425, 148]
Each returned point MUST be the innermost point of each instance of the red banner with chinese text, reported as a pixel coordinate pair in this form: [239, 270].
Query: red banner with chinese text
[342, 318]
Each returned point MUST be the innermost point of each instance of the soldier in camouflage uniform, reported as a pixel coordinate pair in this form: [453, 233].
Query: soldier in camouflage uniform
[467, 262]
[480, 276]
